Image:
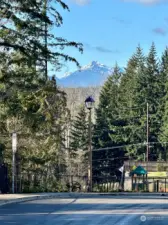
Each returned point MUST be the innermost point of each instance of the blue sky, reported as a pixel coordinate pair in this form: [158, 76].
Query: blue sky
[111, 29]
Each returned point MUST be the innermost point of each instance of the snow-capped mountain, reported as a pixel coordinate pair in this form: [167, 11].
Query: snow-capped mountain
[93, 74]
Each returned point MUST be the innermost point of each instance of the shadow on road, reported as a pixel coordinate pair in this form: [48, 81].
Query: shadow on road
[41, 211]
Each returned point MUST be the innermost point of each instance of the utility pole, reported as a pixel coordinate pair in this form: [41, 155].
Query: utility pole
[45, 40]
[147, 134]
[144, 157]
[147, 141]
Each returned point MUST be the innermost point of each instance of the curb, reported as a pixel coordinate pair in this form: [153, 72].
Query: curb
[26, 199]
[80, 195]
[38, 197]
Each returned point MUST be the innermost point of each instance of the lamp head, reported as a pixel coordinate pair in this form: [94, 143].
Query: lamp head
[89, 102]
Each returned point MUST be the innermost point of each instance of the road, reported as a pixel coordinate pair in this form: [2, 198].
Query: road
[104, 210]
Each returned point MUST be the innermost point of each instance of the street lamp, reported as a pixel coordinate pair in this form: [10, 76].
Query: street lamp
[14, 149]
[89, 102]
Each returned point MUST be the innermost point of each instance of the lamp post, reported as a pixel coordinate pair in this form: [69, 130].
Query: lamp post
[89, 102]
[14, 148]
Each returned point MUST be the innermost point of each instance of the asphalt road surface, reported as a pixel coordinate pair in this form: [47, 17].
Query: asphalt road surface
[87, 211]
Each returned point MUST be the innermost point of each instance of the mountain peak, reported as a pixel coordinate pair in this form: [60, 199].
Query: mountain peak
[94, 63]
[93, 74]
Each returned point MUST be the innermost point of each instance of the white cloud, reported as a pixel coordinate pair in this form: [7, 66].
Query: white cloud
[147, 2]
[81, 2]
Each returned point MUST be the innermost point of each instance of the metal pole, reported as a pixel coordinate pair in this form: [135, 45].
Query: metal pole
[45, 35]
[14, 148]
[90, 154]
[144, 157]
[147, 141]
[13, 172]
[165, 155]
[147, 134]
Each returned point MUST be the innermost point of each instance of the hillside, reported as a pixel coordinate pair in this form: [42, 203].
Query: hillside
[92, 75]
[77, 96]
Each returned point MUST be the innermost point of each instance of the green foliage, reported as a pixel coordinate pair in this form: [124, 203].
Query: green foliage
[163, 113]
[129, 131]
[107, 127]
[32, 21]
[148, 91]
[30, 103]
[121, 117]
[79, 132]
[78, 144]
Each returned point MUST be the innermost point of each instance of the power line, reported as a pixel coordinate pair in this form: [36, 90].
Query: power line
[129, 145]
[114, 158]
[115, 147]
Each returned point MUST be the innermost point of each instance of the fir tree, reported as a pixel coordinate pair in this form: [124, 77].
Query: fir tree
[79, 140]
[79, 132]
[25, 35]
[105, 162]
[30, 103]
[130, 132]
[163, 110]
[148, 91]
[164, 129]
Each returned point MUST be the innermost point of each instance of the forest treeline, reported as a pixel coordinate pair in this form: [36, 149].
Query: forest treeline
[31, 104]
[132, 114]
[52, 129]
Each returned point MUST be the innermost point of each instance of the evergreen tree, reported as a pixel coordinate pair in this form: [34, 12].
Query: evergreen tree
[30, 103]
[22, 31]
[164, 130]
[163, 112]
[79, 132]
[105, 162]
[130, 132]
[79, 140]
[148, 91]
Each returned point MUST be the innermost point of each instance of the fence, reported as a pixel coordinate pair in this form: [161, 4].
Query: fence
[151, 184]
[39, 182]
